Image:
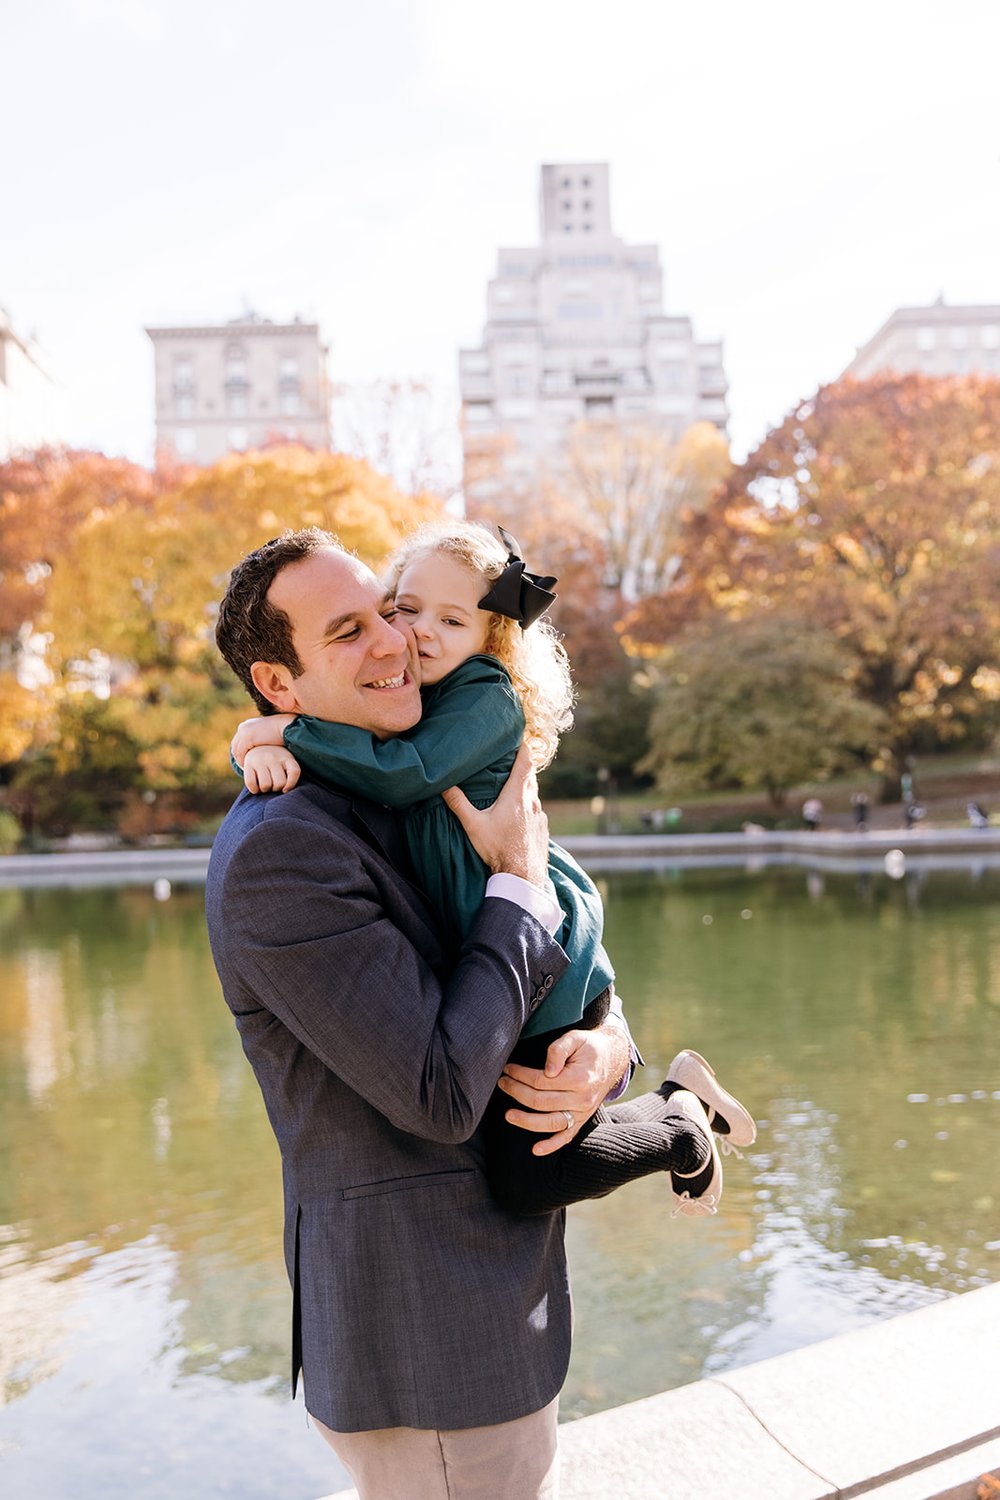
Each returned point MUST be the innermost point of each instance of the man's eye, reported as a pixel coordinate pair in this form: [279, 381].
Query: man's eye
[347, 635]
[403, 609]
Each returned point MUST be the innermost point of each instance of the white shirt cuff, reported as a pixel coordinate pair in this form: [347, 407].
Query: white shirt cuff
[541, 904]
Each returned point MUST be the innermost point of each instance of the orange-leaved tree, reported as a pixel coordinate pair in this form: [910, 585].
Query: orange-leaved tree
[870, 516]
[135, 594]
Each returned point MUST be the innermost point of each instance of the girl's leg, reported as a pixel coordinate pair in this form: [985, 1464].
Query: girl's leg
[606, 1153]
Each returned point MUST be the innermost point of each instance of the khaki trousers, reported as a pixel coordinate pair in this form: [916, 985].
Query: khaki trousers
[512, 1461]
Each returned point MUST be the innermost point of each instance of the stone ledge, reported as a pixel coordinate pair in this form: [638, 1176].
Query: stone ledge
[904, 1410]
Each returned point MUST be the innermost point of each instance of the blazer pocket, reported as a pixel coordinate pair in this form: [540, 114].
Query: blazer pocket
[405, 1184]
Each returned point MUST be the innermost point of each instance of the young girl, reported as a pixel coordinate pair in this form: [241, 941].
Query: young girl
[494, 673]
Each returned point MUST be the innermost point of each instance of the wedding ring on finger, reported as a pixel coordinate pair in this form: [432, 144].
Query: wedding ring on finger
[570, 1122]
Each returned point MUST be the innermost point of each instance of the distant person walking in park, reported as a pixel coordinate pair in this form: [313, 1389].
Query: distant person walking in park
[432, 1326]
[977, 815]
[861, 808]
[812, 813]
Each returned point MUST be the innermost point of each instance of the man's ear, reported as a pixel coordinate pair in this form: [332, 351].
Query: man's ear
[274, 682]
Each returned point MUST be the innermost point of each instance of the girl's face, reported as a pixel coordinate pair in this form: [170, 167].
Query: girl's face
[439, 599]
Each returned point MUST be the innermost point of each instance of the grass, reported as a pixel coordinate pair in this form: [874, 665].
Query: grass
[943, 784]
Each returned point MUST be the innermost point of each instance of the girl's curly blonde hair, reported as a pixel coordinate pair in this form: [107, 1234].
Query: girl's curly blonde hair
[535, 658]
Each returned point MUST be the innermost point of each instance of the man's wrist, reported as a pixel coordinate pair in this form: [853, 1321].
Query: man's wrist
[539, 901]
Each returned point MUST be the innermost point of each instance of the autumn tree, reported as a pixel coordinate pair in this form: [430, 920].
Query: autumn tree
[132, 598]
[871, 515]
[633, 485]
[44, 499]
[761, 702]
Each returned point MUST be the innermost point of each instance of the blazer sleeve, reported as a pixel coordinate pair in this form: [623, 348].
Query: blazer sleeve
[471, 720]
[310, 941]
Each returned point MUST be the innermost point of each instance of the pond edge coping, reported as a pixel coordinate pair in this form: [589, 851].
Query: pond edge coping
[905, 1409]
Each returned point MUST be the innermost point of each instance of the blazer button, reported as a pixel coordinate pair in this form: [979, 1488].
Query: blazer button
[547, 982]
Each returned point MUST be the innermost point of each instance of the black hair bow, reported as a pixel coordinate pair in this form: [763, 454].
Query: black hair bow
[519, 595]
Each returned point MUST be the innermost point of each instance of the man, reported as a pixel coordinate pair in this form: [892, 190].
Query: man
[432, 1328]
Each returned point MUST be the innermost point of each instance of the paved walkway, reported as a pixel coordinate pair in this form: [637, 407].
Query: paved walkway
[908, 1409]
[920, 848]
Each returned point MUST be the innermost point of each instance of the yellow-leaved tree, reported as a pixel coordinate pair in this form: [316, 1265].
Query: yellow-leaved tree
[145, 701]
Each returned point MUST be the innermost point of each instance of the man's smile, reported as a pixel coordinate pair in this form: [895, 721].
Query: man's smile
[389, 682]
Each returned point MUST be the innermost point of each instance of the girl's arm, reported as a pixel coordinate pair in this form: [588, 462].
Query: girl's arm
[258, 753]
[472, 719]
[270, 768]
[267, 730]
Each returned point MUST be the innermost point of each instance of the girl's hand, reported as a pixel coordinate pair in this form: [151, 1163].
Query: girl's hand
[269, 729]
[270, 768]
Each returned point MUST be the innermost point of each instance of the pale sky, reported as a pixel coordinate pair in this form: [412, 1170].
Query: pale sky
[803, 168]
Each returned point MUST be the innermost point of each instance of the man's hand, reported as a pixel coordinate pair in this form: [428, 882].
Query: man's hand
[269, 729]
[512, 836]
[581, 1069]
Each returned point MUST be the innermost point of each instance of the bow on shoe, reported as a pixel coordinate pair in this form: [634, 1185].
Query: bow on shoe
[518, 594]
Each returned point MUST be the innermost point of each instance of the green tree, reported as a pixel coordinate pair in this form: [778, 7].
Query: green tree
[752, 703]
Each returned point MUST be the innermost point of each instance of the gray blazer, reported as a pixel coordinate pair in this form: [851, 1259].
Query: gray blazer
[416, 1301]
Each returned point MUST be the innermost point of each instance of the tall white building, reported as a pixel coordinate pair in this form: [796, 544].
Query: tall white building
[225, 388]
[576, 332]
[28, 417]
[935, 340]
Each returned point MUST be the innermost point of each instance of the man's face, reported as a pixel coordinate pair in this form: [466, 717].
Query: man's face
[358, 667]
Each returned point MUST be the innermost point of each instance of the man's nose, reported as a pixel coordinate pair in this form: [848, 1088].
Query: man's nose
[391, 639]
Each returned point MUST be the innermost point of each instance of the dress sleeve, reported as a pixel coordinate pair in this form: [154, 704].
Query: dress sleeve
[470, 720]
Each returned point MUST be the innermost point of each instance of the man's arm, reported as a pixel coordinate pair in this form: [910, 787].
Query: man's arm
[307, 931]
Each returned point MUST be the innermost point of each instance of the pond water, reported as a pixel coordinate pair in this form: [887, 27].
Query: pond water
[143, 1301]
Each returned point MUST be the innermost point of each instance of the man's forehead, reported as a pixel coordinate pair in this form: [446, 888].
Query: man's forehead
[329, 582]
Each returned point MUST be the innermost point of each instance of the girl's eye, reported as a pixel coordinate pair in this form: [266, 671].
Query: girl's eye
[403, 609]
[453, 622]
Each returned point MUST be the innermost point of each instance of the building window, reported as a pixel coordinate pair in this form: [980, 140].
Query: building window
[585, 182]
[567, 229]
[236, 404]
[184, 407]
[926, 339]
[236, 365]
[586, 228]
[288, 367]
[183, 374]
[238, 439]
[958, 337]
[578, 310]
[478, 411]
[990, 336]
[567, 182]
[185, 442]
[289, 403]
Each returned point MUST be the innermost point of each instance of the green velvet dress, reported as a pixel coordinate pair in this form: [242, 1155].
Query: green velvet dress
[468, 736]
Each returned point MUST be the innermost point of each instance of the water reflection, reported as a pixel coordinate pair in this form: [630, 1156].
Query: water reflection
[143, 1301]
